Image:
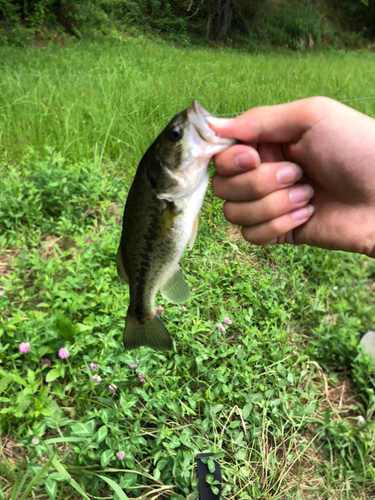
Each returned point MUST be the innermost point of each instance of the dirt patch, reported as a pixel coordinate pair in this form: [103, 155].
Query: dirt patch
[116, 211]
[343, 398]
[11, 450]
[48, 245]
[7, 258]
[234, 233]
[340, 398]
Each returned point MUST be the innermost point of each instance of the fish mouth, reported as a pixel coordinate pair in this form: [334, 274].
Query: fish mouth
[197, 116]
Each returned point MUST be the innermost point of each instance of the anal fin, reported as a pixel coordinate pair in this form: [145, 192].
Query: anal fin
[176, 289]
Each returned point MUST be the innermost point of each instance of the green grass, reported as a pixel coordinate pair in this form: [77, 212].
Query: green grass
[277, 396]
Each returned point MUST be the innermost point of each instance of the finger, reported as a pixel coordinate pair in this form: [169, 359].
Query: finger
[257, 183]
[271, 152]
[268, 232]
[270, 207]
[280, 123]
[237, 159]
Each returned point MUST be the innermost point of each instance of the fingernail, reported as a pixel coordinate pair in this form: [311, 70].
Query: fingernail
[299, 194]
[219, 122]
[289, 174]
[303, 213]
[244, 161]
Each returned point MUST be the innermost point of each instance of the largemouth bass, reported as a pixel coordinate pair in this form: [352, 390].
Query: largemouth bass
[161, 218]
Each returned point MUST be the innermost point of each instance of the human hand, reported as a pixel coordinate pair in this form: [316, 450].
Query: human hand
[328, 147]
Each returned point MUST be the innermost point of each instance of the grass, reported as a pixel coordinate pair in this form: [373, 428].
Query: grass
[284, 397]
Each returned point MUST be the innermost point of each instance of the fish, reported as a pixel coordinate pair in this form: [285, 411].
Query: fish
[161, 218]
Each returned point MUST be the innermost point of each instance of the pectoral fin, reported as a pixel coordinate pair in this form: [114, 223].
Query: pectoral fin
[194, 233]
[176, 289]
[120, 267]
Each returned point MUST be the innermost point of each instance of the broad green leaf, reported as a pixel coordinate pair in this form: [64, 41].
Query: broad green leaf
[51, 488]
[104, 414]
[162, 463]
[175, 442]
[127, 359]
[239, 438]
[246, 410]
[4, 381]
[211, 465]
[91, 424]
[82, 430]
[116, 488]
[30, 377]
[102, 433]
[215, 490]
[53, 374]
[106, 457]
[56, 476]
[209, 478]
[216, 408]
[65, 327]
[156, 474]
[79, 328]
[34, 468]
[309, 410]
[129, 479]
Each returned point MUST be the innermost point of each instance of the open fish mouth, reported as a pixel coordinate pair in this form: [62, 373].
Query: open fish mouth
[197, 116]
[201, 134]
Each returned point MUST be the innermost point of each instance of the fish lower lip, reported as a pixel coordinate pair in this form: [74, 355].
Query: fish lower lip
[199, 132]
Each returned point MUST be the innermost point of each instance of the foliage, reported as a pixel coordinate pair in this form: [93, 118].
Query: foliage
[298, 25]
[288, 24]
[261, 394]
[48, 195]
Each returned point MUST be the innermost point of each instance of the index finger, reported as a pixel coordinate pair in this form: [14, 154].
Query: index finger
[280, 123]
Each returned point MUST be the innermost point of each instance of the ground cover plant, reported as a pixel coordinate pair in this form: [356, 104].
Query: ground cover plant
[266, 370]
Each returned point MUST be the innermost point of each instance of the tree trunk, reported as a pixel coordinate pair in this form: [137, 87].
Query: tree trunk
[209, 26]
[225, 18]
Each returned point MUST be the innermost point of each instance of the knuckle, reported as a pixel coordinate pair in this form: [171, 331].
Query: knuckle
[274, 228]
[317, 106]
[255, 186]
[260, 181]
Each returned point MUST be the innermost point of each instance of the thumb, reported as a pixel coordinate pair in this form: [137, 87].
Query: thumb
[280, 123]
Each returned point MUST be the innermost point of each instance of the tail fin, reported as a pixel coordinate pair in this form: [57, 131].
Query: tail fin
[152, 334]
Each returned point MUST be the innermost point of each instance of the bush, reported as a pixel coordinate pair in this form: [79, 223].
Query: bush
[293, 25]
[51, 194]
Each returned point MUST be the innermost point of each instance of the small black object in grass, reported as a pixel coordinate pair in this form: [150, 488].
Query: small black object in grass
[209, 477]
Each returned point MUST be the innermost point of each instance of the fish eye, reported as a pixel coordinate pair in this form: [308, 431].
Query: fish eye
[175, 133]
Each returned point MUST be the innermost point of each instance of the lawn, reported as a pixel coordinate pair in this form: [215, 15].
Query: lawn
[284, 396]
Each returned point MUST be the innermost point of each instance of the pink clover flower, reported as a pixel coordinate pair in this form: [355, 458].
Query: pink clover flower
[63, 353]
[24, 347]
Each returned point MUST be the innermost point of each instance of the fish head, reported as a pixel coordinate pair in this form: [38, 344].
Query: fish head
[183, 151]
